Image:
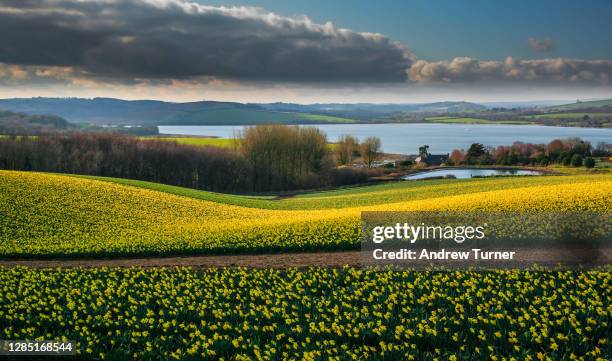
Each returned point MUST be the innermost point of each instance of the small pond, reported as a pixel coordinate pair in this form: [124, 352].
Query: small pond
[463, 173]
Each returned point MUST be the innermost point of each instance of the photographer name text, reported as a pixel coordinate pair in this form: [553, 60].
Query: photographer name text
[442, 254]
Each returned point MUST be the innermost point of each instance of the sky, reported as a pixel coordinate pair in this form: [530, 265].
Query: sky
[492, 30]
[307, 51]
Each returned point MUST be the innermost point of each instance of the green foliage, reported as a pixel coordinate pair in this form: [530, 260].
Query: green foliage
[589, 162]
[576, 160]
[424, 150]
[477, 154]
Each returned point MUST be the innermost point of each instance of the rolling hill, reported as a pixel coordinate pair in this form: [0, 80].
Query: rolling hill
[101, 111]
[109, 111]
[20, 123]
[59, 215]
[368, 111]
[605, 104]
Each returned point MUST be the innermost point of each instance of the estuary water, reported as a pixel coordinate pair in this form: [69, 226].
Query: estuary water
[463, 173]
[441, 138]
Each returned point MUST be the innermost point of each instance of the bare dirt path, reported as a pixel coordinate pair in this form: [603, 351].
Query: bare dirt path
[523, 257]
[275, 260]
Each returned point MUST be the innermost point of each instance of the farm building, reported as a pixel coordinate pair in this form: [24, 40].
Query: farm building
[432, 159]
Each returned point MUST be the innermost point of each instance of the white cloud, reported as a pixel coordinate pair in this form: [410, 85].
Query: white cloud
[543, 44]
[555, 70]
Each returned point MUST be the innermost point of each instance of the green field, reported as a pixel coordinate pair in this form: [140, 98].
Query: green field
[200, 141]
[324, 118]
[361, 196]
[248, 117]
[206, 141]
[568, 115]
[582, 105]
[4, 136]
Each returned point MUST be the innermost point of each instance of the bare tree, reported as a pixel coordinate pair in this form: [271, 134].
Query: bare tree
[370, 150]
[281, 156]
[346, 148]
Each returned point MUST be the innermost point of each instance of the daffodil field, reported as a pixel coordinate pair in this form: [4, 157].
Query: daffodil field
[57, 215]
[314, 314]
[289, 314]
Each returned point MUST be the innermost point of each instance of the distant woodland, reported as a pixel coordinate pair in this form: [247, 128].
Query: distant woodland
[24, 124]
[268, 158]
[12, 123]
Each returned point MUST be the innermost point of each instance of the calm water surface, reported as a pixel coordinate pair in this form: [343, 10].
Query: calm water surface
[441, 138]
[464, 173]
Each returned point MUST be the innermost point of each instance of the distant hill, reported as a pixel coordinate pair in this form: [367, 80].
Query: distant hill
[367, 111]
[109, 111]
[525, 104]
[28, 124]
[240, 116]
[101, 111]
[605, 104]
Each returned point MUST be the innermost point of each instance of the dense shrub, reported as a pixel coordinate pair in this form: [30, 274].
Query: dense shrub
[342, 176]
[576, 160]
[559, 151]
[589, 162]
[406, 163]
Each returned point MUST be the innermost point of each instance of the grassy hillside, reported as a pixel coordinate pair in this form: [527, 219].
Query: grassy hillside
[567, 115]
[229, 117]
[607, 103]
[46, 214]
[248, 117]
[362, 196]
[320, 118]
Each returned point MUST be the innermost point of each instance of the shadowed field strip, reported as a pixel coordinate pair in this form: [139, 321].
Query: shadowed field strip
[277, 260]
[525, 257]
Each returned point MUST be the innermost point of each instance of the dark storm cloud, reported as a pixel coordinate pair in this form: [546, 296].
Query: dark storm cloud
[176, 39]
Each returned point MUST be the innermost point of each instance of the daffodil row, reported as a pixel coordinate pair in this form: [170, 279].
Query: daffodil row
[313, 314]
